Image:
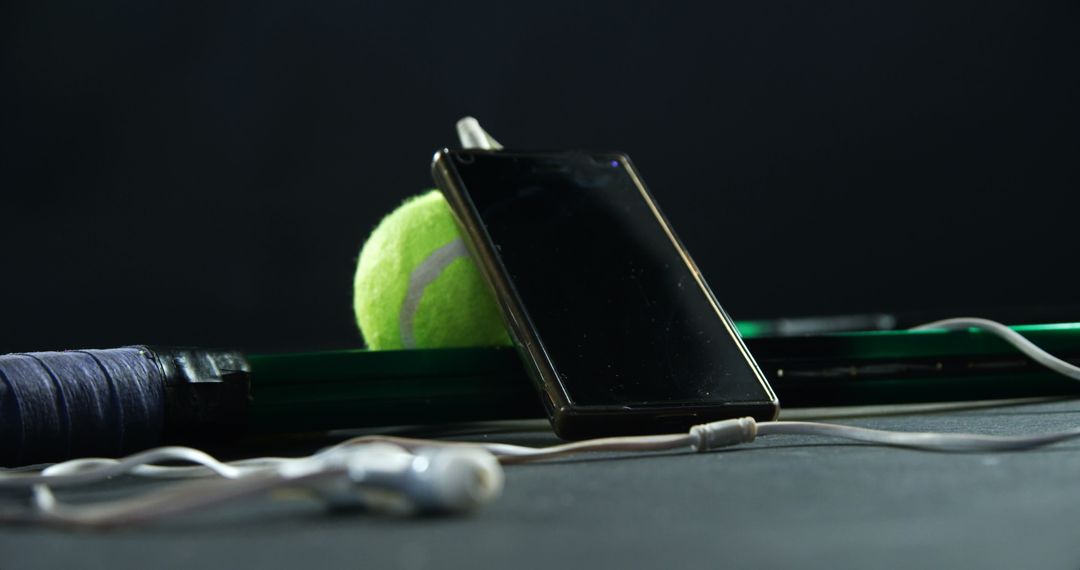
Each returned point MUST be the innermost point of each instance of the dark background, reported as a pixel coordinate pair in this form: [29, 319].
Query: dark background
[205, 173]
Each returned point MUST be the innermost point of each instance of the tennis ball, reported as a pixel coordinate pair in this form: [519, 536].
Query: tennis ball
[417, 286]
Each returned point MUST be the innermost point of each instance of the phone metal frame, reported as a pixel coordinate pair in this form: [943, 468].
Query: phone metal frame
[569, 420]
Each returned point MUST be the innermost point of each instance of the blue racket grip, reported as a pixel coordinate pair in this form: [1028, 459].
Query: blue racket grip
[60, 405]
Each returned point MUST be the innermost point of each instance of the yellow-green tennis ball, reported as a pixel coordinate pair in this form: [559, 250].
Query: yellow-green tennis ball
[417, 286]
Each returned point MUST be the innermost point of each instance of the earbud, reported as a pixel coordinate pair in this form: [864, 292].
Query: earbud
[452, 480]
[388, 478]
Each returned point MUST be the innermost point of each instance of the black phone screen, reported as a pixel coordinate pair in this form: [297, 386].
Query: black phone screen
[616, 307]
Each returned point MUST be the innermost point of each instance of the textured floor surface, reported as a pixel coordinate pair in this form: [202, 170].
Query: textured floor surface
[781, 502]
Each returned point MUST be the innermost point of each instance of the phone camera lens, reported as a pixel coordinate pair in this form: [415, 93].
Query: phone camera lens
[604, 161]
[465, 158]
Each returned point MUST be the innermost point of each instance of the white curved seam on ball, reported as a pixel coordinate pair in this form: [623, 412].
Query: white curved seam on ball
[420, 278]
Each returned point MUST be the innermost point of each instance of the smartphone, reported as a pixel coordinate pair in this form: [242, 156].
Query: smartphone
[616, 326]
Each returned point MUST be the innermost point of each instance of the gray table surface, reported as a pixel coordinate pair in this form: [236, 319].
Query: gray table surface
[781, 502]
